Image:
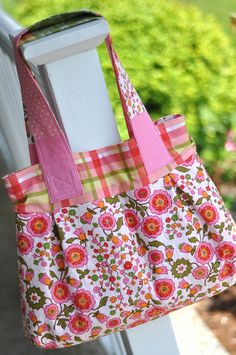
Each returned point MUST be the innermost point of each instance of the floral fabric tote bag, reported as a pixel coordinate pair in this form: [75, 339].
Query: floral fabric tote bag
[112, 238]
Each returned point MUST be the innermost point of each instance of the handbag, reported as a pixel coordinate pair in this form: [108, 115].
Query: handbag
[115, 237]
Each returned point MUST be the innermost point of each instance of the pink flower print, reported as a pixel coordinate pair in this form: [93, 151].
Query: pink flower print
[185, 248]
[107, 221]
[164, 288]
[96, 331]
[51, 311]
[155, 257]
[183, 284]
[33, 317]
[189, 216]
[60, 292]
[39, 225]
[79, 232]
[209, 213]
[200, 176]
[131, 220]
[87, 217]
[227, 270]
[155, 312]
[189, 161]
[79, 323]
[200, 272]
[195, 289]
[216, 237]
[65, 337]
[161, 270]
[160, 202]
[196, 225]
[74, 282]
[83, 300]
[226, 251]
[136, 323]
[51, 345]
[142, 193]
[29, 275]
[169, 252]
[25, 243]
[102, 318]
[204, 253]
[112, 323]
[170, 180]
[202, 192]
[55, 249]
[76, 256]
[45, 279]
[152, 226]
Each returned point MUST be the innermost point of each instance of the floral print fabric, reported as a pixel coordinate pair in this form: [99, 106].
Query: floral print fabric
[89, 270]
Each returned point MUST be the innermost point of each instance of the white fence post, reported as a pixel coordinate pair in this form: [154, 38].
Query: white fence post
[74, 84]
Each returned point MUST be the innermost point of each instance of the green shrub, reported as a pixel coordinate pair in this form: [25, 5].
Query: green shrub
[180, 61]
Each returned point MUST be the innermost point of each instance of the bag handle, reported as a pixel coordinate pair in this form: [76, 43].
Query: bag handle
[58, 167]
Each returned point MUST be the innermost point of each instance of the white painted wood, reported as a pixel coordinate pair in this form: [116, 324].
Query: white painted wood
[66, 43]
[153, 338]
[14, 146]
[75, 84]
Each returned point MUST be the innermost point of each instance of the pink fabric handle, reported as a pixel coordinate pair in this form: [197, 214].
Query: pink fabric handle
[54, 154]
[152, 149]
[55, 157]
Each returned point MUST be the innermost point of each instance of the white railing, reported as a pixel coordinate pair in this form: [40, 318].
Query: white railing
[12, 133]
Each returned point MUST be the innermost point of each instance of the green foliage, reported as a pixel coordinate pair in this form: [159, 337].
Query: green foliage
[180, 61]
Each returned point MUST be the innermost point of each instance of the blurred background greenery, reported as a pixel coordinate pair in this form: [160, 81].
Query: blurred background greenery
[180, 59]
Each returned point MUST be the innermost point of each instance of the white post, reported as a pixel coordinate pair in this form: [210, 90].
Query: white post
[74, 84]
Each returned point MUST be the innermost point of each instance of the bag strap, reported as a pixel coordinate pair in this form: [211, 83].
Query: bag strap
[54, 154]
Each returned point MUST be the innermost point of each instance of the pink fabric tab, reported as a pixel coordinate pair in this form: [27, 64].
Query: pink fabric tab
[57, 165]
[154, 153]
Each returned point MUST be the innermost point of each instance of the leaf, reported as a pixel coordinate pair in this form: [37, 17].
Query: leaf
[199, 201]
[142, 213]
[62, 322]
[225, 284]
[91, 211]
[155, 243]
[112, 313]
[156, 301]
[70, 240]
[48, 336]
[72, 212]
[22, 261]
[182, 169]
[103, 301]
[139, 240]
[179, 293]
[119, 224]
[193, 240]
[52, 273]
[175, 218]
[36, 262]
[205, 228]
[46, 245]
[78, 338]
[112, 200]
[202, 294]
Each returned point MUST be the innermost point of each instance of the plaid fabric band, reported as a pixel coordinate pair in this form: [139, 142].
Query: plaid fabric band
[104, 172]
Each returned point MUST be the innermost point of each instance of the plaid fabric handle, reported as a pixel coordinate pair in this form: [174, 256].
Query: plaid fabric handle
[58, 167]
